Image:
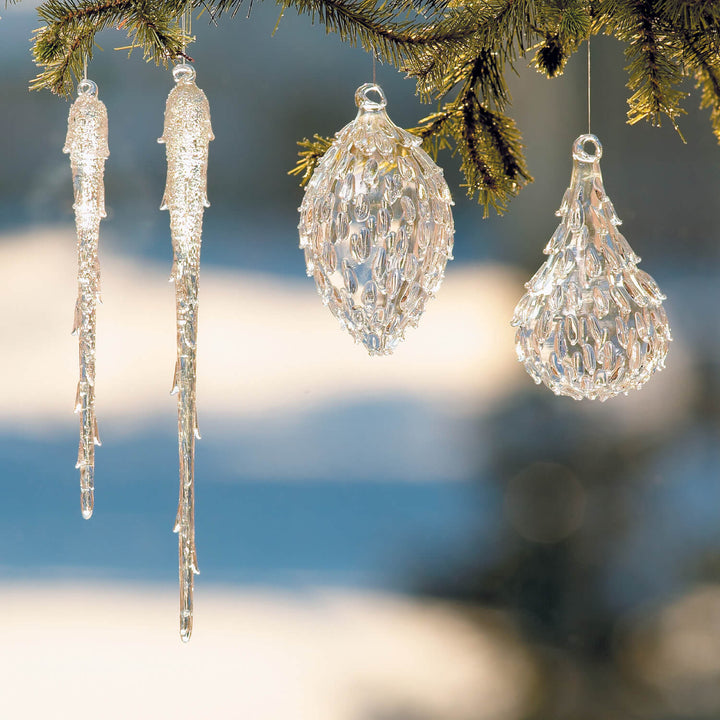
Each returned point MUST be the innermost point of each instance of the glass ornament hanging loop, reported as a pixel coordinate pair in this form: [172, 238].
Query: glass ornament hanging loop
[376, 226]
[591, 324]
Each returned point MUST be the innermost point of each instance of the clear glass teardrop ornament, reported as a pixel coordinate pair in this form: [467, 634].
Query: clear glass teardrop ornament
[376, 226]
[591, 324]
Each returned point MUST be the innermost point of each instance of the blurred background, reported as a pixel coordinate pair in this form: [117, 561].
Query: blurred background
[427, 536]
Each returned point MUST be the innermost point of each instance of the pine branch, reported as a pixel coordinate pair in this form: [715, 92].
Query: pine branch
[487, 141]
[708, 80]
[653, 66]
[66, 41]
[491, 154]
[702, 55]
[656, 73]
[383, 29]
[699, 15]
[422, 8]
[488, 144]
[693, 31]
[459, 54]
[430, 131]
[309, 156]
[434, 130]
[502, 29]
[566, 23]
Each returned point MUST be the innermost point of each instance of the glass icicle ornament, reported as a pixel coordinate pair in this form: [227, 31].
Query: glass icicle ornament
[87, 145]
[376, 226]
[186, 135]
[591, 324]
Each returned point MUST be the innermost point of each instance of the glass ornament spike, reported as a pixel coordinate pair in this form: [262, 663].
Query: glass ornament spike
[187, 134]
[376, 226]
[87, 145]
[591, 324]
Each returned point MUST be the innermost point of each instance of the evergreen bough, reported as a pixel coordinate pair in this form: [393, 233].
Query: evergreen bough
[459, 54]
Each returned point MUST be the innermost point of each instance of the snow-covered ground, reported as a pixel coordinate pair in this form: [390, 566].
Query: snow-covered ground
[87, 652]
[266, 343]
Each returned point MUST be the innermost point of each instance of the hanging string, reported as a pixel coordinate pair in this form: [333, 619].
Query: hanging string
[183, 27]
[85, 68]
[588, 83]
[189, 21]
[374, 65]
[186, 27]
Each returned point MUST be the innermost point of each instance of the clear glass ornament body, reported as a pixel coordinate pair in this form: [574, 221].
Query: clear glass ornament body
[376, 226]
[87, 145]
[591, 324]
[186, 135]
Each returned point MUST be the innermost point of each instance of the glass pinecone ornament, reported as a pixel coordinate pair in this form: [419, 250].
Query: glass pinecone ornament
[591, 324]
[376, 226]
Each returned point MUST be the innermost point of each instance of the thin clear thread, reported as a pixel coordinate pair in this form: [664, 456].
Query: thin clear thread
[183, 23]
[588, 83]
[186, 27]
[374, 67]
[85, 68]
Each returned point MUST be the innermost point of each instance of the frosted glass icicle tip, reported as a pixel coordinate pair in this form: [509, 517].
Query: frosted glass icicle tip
[591, 324]
[376, 226]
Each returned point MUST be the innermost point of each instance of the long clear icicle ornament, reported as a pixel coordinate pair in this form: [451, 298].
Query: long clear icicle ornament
[376, 226]
[186, 135]
[591, 324]
[87, 145]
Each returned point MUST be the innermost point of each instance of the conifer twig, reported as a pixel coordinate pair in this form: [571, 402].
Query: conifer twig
[459, 54]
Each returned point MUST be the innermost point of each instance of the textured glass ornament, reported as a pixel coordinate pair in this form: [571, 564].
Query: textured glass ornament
[186, 135]
[591, 324]
[376, 226]
[87, 145]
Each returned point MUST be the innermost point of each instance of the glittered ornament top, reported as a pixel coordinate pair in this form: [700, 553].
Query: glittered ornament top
[186, 135]
[376, 226]
[591, 324]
